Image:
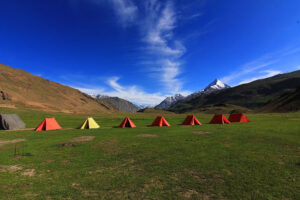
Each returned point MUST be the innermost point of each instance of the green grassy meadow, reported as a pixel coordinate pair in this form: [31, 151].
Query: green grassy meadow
[256, 160]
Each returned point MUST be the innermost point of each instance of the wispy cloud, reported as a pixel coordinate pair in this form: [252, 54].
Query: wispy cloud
[156, 21]
[194, 16]
[130, 93]
[250, 70]
[247, 69]
[266, 74]
[158, 34]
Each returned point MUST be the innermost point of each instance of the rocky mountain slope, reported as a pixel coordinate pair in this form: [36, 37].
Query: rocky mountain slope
[252, 95]
[169, 101]
[118, 103]
[19, 88]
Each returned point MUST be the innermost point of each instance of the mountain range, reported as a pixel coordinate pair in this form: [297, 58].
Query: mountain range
[279, 93]
[214, 86]
[252, 95]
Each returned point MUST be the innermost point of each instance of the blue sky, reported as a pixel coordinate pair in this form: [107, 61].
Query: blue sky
[146, 50]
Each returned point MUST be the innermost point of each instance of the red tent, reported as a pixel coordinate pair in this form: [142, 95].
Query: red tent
[191, 120]
[48, 124]
[240, 117]
[127, 123]
[219, 119]
[160, 121]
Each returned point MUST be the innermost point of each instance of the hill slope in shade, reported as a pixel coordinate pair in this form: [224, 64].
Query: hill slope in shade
[253, 95]
[154, 111]
[19, 88]
[288, 102]
[221, 108]
[118, 103]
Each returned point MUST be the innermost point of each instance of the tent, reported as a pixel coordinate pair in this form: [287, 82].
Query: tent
[160, 121]
[219, 119]
[238, 117]
[11, 122]
[89, 123]
[127, 123]
[191, 120]
[48, 124]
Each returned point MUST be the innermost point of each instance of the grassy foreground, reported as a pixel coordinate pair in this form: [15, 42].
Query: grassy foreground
[257, 160]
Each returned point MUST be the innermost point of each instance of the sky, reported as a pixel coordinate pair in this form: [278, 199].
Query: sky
[146, 50]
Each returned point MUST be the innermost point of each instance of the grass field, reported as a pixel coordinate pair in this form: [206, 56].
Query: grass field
[257, 160]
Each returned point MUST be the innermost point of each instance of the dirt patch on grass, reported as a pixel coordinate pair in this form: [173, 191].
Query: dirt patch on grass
[82, 139]
[211, 180]
[202, 132]
[31, 195]
[228, 172]
[190, 194]
[74, 141]
[29, 172]
[109, 146]
[68, 145]
[147, 135]
[90, 193]
[23, 129]
[75, 185]
[154, 183]
[65, 162]
[213, 176]
[4, 142]
[10, 168]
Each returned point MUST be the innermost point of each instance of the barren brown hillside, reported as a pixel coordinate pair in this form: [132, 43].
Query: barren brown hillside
[19, 88]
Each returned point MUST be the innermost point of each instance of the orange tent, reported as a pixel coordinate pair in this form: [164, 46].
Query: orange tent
[191, 120]
[240, 117]
[127, 123]
[48, 124]
[160, 121]
[219, 119]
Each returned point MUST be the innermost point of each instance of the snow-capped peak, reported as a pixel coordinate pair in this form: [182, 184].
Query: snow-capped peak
[216, 85]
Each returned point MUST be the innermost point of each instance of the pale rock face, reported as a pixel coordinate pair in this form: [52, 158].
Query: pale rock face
[120, 104]
[170, 101]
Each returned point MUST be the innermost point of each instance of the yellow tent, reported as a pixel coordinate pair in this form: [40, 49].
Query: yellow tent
[89, 123]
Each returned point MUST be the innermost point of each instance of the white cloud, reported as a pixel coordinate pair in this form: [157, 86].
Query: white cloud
[267, 73]
[130, 93]
[297, 67]
[91, 90]
[126, 10]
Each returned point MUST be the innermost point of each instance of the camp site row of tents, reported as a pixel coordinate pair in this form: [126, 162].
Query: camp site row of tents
[14, 122]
